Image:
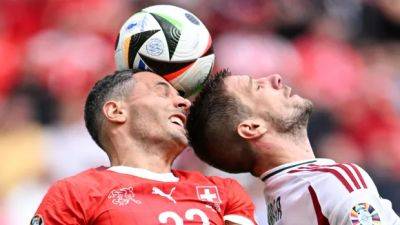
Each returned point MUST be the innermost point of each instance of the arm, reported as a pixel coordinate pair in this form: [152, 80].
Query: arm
[60, 206]
[240, 208]
[364, 204]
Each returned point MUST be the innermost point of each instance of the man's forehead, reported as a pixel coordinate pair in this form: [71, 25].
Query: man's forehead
[148, 77]
[239, 87]
[238, 83]
[237, 79]
[147, 82]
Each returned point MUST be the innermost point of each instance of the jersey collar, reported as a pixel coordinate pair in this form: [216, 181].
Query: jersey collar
[143, 173]
[283, 167]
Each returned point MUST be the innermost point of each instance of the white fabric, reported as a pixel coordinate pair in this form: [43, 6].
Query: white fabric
[289, 199]
[238, 219]
[143, 173]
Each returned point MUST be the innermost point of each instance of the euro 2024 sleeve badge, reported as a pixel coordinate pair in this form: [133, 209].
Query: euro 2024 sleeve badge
[364, 214]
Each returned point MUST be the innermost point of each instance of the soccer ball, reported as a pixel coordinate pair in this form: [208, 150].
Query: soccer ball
[169, 41]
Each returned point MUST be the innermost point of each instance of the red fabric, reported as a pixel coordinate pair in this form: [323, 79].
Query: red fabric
[322, 220]
[102, 197]
[334, 172]
[360, 177]
[349, 174]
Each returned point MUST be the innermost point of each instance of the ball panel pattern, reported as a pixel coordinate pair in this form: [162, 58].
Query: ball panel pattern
[136, 43]
[163, 68]
[171, 32]
[169, 41]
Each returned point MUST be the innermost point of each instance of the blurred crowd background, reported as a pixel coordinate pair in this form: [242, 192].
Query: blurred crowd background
[344, 55]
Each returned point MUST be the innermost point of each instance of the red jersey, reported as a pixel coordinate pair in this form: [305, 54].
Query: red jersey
[123, 195]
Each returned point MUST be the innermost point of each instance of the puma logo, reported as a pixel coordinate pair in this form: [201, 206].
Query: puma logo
[157, 191]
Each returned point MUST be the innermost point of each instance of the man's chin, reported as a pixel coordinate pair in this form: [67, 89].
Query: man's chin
[304, 105]
[298, 120]
[309, 107]
[181, 140]
[306, 111]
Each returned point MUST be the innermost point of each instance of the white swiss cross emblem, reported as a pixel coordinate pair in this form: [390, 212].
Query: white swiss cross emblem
[208, 193]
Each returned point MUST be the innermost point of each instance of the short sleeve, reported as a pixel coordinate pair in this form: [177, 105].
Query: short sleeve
[240, 208]
[364, 205]
[60, 206]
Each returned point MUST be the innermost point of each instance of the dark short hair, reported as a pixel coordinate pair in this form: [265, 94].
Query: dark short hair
[211, 125]
[110, 87]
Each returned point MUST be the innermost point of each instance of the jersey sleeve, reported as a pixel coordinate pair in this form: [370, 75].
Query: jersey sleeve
[60, 206]
[364, 206]
[240, 208]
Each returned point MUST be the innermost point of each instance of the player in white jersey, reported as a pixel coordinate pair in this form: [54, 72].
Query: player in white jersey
[239, 124]
[320, 192]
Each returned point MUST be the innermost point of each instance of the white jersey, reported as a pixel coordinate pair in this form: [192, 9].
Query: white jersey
[323, 192]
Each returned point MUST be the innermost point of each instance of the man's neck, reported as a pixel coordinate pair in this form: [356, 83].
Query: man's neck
[281, 149]
[155, 158]
[149, 162]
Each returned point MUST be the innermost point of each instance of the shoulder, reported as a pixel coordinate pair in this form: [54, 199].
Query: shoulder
[345, 192]
[71, 199]
[335, 187]
[83, 180]
[342, 177]
[79, 189]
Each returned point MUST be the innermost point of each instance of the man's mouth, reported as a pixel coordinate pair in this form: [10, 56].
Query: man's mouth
[178, 119]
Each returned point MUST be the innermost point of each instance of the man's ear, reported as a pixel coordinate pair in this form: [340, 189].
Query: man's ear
[114, 111]
[252, 128]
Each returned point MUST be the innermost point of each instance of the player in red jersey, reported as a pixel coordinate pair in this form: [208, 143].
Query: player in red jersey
[138, 119]
[261, 127]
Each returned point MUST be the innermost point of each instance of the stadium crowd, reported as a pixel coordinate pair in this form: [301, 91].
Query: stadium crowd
[343, 55]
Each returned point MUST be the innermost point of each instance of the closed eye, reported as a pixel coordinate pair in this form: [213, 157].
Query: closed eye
[163, 88]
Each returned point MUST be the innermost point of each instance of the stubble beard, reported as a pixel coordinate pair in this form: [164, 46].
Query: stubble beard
[296, 122]
[165, 137]
[180, 139]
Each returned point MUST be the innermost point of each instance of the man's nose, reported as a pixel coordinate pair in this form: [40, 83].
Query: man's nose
[275, 80]
[182, 103]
